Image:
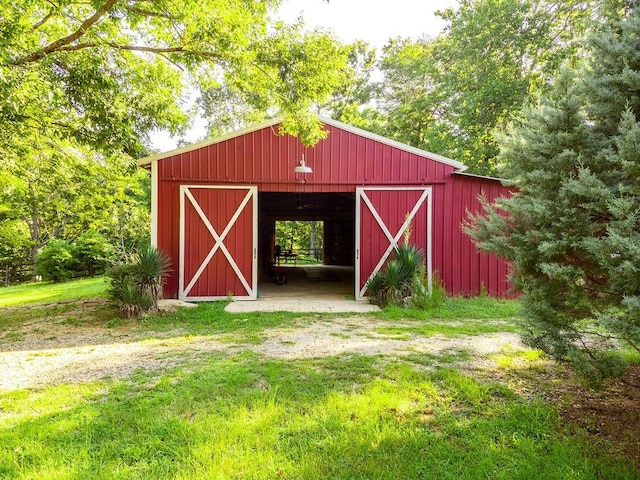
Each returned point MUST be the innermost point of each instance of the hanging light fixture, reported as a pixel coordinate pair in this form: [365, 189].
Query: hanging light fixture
[302, 168]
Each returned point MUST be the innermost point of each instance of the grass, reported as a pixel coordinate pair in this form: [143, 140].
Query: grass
[459, 308]
[450, 329]
[243, 417]
[239, 415]
[48, 292]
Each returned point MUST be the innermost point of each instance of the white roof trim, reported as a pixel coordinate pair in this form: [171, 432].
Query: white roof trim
[211, 141]
[459, 166]
[393, 143]
[486, 177]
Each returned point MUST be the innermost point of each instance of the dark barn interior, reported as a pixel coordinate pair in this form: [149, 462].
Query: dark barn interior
[336, 210]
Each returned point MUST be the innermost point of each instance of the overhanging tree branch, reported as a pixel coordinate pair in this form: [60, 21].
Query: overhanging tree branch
[44, 20]
[61, 42]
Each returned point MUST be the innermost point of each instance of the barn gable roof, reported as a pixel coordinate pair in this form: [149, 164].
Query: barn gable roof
[459, 166]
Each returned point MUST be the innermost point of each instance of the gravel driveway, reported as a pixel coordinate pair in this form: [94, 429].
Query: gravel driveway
[83, 355]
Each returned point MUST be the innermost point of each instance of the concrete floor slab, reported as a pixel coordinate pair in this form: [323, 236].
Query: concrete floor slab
[308, 304]
[314, 288]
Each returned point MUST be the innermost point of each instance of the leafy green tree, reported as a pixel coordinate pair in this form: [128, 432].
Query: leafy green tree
[572, 227]
[107, 73]
[300, 236]
[350, 101]
[83, 84]
[92, 253]
[14, 251]
[454, 93]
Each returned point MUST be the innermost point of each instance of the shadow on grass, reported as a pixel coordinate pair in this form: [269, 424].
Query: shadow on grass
[243, 417]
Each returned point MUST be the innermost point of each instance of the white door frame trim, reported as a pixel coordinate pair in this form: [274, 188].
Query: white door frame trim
[361, 197]
[251, 289]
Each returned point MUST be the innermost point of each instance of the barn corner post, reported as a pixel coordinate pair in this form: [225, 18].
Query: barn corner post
[154, 203]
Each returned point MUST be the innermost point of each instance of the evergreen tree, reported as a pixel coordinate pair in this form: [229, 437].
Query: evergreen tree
[572, 227]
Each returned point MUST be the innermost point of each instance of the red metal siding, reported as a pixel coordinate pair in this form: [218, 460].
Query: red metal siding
[264, 157]
[463, 268]
[169, 231]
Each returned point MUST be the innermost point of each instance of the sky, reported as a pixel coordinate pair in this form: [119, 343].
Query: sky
[374, 21]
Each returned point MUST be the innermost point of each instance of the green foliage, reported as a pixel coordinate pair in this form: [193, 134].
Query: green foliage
[572, 228]
[400, 280]
[454, 94]
[150, 266]
[57, 261]
[423, 299]
[137, 286]
[61, 260]
[15, 252]
[301, 237]
[92, 253]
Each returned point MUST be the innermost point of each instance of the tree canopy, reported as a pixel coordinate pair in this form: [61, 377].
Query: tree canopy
[106, 73]
[83, 84]
[455, 93]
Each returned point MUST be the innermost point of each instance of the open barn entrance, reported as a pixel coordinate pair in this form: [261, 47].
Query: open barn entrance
[306, 245]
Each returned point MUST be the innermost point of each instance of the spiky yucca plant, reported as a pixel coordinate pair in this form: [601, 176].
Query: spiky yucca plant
[396, 282]
[151, 265]
[137, 286]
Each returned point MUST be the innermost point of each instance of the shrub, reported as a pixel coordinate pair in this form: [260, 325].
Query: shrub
[151, 265]
[57, 261]
[137, 286]
[93, 253]
[402, 279]
[421, 298]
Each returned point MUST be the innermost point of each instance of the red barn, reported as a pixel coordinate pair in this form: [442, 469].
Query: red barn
[215, 204]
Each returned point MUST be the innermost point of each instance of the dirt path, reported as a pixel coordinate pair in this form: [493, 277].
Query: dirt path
[84, 354]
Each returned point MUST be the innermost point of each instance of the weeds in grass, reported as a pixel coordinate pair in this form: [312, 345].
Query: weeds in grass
[459, 308]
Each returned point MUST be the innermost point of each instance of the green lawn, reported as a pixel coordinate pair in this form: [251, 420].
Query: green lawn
[238, 415]
[47, 292]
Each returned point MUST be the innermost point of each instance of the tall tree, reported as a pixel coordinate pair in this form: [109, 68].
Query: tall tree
[95, 78]
[572, 228]
[452, 94]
